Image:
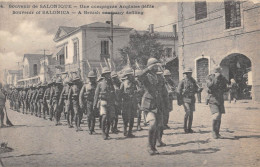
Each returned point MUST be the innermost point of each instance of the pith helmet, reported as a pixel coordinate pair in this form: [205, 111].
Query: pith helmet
[105, 70]
[59, 80]
[91, 74]
[187, 70]
[128, 71]
[166, 72]
[152, 61]
[138, 72]
[114, 74]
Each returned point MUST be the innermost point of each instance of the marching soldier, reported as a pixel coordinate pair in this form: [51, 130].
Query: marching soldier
[217, 86]
[86, 99]
[39, 99]
[23, 99]
[10, 98]
[105, 92]
[74, 99]
[55, 95]
[15, 96]
[186, 92]
[139, 94]
[47, 99]
[30, 99]
[153, 103]
[129, 103]
[64, 99]
[116, 83]
[34, 100]
[170, 88]
[28, 94]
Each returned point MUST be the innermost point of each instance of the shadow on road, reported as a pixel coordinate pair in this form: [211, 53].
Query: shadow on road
[189, 142]
[195, 151]
[25, 155]
[241, 137]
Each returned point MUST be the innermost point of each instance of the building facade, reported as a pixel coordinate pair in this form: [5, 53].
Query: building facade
[225, 34]
[12, 77]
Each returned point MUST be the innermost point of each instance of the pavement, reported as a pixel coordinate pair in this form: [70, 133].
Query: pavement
[35, 142]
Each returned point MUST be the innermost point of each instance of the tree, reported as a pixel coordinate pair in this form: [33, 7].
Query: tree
[140, 48]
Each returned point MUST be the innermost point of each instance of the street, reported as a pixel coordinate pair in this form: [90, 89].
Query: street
[38, 142]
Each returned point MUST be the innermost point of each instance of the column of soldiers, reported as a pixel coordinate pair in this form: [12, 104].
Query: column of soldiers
[148, 92]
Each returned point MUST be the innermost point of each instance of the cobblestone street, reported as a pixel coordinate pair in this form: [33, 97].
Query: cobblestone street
[37, 142]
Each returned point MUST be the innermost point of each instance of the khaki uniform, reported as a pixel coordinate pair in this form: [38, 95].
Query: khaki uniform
[64, 100]
[73, 97]
[47, 100]
[40, 102]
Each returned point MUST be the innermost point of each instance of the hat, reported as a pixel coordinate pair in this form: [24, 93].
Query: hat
[187, 70]
[152, 61]
[58, 80]
[91, 74]
[138, 72]
[128, 71]
[166, 73]
[114, 74]
[105, 70]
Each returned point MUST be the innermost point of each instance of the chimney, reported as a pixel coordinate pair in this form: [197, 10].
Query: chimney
[108, 22]
[174, 28]
[151, 28]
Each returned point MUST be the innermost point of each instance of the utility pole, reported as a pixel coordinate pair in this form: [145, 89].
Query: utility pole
[44, 65]
[112, 39]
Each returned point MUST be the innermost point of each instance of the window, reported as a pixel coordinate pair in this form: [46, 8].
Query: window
[232, 13]
[200, 10]
[75, 56]
[104, 49]
[202, 70]
[168, 52]
[35, 69]
[66, 51]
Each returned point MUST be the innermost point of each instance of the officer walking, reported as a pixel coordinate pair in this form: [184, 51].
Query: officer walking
[152, 103]
[105, 92]
[86, 99]
[186, 92]
[217, 86]
[129, 104]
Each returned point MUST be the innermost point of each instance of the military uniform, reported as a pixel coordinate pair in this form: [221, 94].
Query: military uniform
[15, 96]
[74, 99]
[153, 103]
[40, 102]
[64, 99]
[55, 95]
[86, 99]
[139, 95]
[129, 103]
[186, 90]
[116, 83]
[105, 93]
[217, 86]
[47, 99]
[34, 100]
[23, 99]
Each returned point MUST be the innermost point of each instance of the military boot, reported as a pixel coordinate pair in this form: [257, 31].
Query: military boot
[218, 128]
[190, 124]
[185, 124]
[214, 129]
[159, 134]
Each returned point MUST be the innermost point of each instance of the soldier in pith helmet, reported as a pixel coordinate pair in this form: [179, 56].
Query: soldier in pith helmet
[105, 93]
[116, 83]
[47, 99]
[40, 102]
[86, 99]
[153, 103]
[186, 91]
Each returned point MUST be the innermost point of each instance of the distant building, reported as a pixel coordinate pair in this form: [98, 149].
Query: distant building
[35, 68]
[224, 33]
[12, 77]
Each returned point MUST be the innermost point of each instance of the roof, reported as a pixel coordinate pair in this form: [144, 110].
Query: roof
[33, 57]
[161, 34]
[96, 25]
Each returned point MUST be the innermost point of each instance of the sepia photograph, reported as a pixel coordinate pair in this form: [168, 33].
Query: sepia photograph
[113, 83]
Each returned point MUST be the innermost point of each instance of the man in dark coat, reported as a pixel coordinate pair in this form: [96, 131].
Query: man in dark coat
[217, 86]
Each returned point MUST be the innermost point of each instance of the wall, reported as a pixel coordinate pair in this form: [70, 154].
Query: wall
[210, 38]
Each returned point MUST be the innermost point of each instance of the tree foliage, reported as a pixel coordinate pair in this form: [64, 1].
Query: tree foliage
[140, 48]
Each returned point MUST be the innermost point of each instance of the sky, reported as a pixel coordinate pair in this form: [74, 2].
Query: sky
[21, 34]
